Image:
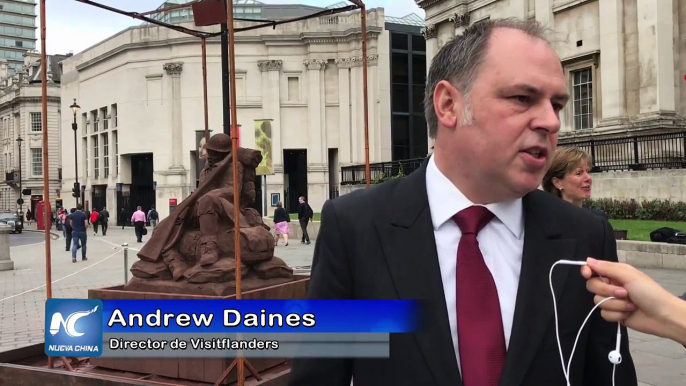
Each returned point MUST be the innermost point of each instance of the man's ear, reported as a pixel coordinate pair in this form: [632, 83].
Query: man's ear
[447, 101]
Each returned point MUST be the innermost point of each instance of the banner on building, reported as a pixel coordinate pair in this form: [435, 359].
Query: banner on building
[263, 143]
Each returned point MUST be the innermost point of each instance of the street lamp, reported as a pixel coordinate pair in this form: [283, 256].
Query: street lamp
[77, 188]
[20, 200]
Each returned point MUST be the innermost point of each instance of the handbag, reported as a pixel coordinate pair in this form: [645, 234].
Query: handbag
[144, 231]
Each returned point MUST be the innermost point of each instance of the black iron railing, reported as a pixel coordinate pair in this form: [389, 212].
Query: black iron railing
[637, 152]
[381, 171]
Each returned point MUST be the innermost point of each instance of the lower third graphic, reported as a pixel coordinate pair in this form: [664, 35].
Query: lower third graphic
[73, 327]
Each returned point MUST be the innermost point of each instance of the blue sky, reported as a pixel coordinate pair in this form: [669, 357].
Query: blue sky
[74, 26]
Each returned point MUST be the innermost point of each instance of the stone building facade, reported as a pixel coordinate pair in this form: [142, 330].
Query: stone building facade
[21, 117]
[622, 59]
[141, 99]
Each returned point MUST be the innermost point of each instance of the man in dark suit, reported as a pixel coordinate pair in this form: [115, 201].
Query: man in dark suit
[470, 235]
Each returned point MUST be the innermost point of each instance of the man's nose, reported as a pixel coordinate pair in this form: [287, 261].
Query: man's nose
[547, 118]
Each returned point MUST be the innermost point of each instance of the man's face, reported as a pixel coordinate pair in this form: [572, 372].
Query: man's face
[504, 143]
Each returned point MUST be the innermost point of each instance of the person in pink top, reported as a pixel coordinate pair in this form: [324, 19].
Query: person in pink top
[138, 221]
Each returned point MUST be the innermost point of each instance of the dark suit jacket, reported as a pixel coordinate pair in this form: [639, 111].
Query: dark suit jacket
[378, 243]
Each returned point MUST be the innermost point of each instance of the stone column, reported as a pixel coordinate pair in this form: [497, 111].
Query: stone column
[612, 69]
[314, 107]
[271, 103]
[431, 36]
[460, 20]
[356, 110]
[344, 149]
[544, 12]
[174, 70]
[656, 55]
[6, 263]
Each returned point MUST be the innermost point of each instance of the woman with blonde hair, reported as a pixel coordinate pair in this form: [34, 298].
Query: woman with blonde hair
[569, 176]
[281, 220]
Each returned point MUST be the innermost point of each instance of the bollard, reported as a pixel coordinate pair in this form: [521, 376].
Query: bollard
[6, 263]
[126, 262]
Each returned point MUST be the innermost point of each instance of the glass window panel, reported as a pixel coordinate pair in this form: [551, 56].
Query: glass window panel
[400, 130]
[399, 41]
[418, 69]
[399, 65]
[418, 43]
[401, 98]
[418, 98]
[420, 144]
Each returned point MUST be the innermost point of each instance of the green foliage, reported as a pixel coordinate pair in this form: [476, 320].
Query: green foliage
[656, 210]
[382, 177]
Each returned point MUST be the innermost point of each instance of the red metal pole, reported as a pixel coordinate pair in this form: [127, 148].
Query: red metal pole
[234, 154]
[363, 14]
[204, 88]
[46, 171]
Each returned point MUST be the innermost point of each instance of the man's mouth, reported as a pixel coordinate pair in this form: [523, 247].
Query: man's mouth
[536, 152]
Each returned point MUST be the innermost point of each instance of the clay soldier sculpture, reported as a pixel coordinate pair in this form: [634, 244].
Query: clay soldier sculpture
[192, 251]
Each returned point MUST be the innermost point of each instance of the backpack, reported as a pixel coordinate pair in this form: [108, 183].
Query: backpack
[153, 214]
[668, 235]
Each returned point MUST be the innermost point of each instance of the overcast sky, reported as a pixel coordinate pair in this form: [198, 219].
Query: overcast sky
[74, 26]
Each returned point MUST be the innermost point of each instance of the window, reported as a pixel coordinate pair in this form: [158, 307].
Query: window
[95, 121]
[115, 137]
[114, 116]
[293, 88]
[37, 162]
[105, 155]
[36, 122]
[96, 158]
[582, 87]
[103, 114]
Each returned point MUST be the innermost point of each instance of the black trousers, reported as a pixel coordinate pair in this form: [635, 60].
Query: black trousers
[104, 228]
[303, 226]
[138, 226]
[68, 238]
[95, 227]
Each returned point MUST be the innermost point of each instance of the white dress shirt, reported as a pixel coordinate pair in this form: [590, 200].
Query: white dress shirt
[501, 243]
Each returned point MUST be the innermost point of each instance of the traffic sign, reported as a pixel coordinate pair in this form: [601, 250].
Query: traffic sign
[20, 201]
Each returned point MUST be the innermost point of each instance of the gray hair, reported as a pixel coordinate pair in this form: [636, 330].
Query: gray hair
[461, 58]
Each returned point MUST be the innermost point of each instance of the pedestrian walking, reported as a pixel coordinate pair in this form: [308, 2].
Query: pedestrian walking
[153, 217]
[138, 221]
[79, 223]
[67, 228]
[281, 223]
[122, 217]
[94, 220]
[104, 218]
[305, 215]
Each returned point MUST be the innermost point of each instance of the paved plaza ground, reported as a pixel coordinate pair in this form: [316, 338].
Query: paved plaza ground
[22, 294]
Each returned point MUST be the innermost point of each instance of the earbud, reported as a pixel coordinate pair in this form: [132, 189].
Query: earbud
[615, 356]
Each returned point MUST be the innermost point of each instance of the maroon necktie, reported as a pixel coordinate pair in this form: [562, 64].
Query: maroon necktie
[481, 339]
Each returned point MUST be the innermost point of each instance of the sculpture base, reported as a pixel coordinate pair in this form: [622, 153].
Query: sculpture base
[208, 289]
[197, 369]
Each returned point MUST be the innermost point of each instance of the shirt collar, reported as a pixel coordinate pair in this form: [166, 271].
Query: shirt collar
[446, 200]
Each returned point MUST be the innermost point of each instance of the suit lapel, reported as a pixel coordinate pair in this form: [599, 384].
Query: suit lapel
[410, 250]
[533, 317]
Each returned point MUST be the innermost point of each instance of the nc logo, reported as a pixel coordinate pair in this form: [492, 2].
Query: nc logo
[74, 327]
[68, 324]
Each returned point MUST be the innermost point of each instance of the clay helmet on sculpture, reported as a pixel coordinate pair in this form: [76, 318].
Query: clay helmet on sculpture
[219, 142]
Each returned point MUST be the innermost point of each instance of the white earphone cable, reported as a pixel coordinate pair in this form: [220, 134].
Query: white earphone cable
[565, 369]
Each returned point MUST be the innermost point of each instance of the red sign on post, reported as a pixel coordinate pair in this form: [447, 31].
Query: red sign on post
[172, 204]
